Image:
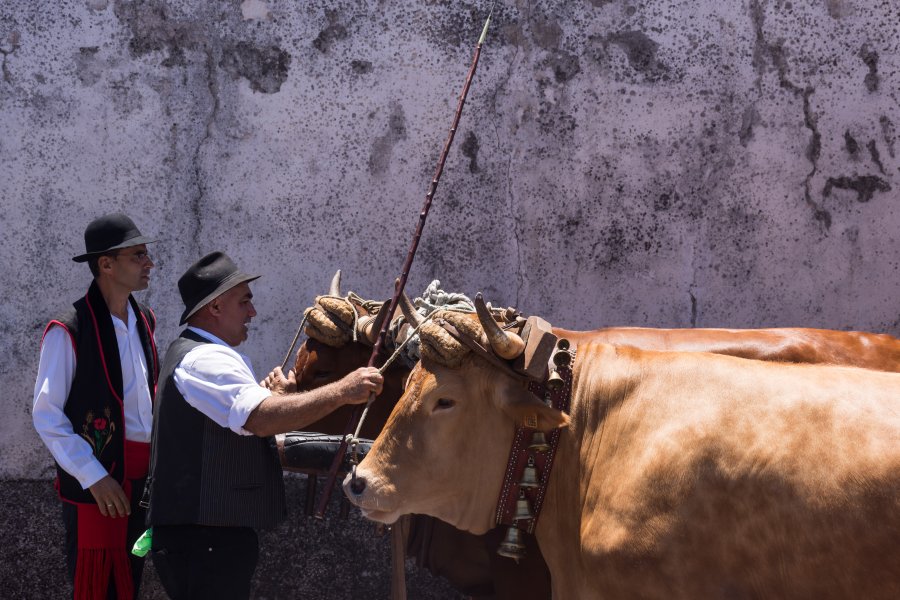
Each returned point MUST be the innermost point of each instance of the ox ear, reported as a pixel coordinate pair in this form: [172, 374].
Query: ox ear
[527, 410]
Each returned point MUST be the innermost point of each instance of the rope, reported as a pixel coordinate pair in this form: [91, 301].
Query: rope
[431, 301]
[293, 343]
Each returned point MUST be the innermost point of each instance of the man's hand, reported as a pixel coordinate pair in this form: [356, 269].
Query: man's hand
[356, 387]
[288, 412]
[111, 498]
[278, 383]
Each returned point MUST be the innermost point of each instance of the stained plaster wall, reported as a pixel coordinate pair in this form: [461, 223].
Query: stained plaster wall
[692, 163]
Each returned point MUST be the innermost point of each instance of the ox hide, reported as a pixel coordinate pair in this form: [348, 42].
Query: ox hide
[678, 475]
[470, 563]
[877, 351]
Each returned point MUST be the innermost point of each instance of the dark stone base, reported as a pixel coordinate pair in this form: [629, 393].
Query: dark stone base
[302, 558]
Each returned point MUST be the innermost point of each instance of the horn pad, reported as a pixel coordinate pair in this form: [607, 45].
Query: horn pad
[443, 348]
[323, 318]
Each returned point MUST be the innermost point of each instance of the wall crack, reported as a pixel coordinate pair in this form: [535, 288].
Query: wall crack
[13, 40]
[510, 195]
[197, 201]
[775, 54]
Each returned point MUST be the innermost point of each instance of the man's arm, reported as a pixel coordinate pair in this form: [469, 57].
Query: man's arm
[51, 389]
[288, 412]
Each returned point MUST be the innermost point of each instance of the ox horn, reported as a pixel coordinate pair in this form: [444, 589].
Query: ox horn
[335, 289]
[505, 344]
[409, 311]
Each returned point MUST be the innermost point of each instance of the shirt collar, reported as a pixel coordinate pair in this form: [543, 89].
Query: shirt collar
[130, 320]
[209, 336]
[216, 340]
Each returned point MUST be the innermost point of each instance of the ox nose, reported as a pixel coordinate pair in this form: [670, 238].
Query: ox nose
[357, 485]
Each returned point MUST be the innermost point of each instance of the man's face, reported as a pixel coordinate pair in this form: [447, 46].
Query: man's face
[129, 267]
[233, 311]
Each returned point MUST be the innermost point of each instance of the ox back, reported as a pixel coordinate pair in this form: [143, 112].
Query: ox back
[470, 562]
[700, 476]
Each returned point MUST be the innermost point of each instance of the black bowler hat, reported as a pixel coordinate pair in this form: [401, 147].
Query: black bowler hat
[206, 280]
[110, 232]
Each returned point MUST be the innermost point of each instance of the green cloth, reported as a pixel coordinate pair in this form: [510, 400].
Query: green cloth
[142, 545]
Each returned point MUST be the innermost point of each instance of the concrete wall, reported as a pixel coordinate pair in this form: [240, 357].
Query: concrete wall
[672, 163]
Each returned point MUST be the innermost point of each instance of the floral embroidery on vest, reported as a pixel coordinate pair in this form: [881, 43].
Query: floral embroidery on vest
[98, 431]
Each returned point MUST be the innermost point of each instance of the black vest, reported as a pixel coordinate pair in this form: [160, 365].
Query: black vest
[95, 404]
[205, 474]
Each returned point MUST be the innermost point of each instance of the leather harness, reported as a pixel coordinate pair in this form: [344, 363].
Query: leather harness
[534, 369]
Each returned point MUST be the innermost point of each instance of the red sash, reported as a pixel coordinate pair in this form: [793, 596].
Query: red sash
[102, 548]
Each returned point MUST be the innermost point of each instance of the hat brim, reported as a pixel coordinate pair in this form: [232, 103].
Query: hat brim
[137, 241]
[234, 280]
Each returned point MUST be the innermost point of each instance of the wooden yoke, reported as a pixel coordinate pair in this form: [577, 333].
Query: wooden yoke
[539, 344]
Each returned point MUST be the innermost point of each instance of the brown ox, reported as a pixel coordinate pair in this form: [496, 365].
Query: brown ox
[469, 562]
[678, 475]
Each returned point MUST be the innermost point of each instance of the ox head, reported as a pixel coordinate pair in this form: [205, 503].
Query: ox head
[335, 320]
[444, 449]
[330, 353]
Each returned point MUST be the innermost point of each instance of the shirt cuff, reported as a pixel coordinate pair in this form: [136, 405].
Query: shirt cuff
[91, 474]
[246, 402]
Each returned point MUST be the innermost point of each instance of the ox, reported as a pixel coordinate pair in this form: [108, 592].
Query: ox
[467, 561]
[678, 475]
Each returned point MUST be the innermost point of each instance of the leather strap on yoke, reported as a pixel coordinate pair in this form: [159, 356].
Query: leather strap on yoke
[480, 350]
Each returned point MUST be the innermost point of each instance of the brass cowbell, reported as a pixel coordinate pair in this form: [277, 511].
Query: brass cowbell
[523, 511]
[512, 546]
[561, 358]
[539, 442]
[555, 381]
[529, 476]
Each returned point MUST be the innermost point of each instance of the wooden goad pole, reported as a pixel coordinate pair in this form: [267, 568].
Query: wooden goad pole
[398, 290]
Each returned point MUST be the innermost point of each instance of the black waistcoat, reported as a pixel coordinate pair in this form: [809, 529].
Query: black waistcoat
[95, 404]
[205, 474]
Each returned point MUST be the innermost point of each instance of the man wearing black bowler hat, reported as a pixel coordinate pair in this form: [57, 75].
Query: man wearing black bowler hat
[215, 476]
[93, 409]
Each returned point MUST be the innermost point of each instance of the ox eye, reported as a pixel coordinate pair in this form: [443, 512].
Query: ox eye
[320, 375]
[444, 403]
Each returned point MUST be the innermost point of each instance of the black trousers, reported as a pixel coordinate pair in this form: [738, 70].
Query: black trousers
[199, 562]
[136, 527]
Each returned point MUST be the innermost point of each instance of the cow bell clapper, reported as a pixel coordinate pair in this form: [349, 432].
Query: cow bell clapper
[562, 358]
[423, 215]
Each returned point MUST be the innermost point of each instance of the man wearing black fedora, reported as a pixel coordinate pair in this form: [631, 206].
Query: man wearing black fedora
[93, 409]
[215, 476]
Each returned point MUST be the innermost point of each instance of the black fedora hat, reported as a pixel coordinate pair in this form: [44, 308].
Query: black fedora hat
[206, 280]
[110, 232]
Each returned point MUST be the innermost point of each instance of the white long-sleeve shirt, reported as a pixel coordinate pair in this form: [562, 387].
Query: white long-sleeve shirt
[219, 382]
[51, 389]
